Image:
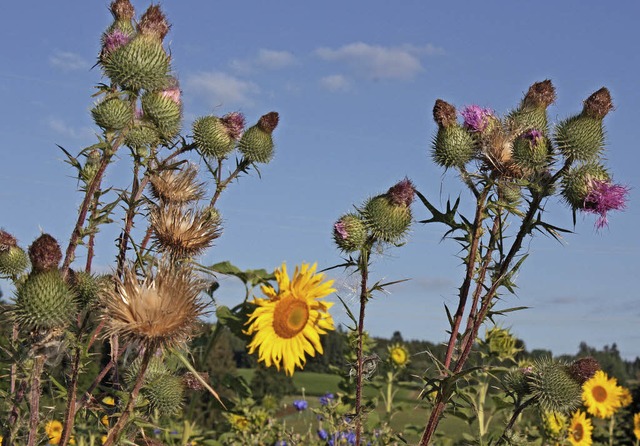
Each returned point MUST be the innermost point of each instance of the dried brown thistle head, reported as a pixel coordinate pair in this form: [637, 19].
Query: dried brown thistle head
[177, 186]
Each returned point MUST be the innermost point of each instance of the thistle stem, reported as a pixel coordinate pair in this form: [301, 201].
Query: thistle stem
[34, 399]
[364, 274]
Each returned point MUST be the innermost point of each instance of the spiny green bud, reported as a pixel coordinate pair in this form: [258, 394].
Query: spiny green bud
[510, 192]
[91, 166]
[140, 64]
[256, 143]
[532, 112]
[531, 150]
[388, 216]
[141, 136]
[165, 394]
[44, 301]
[45, 253]
[581, 137]
[554, 387]
[584, 368]
[164, 110]
[13, 261]
[212, 137]
[350, 233]
[155, 370]
[577, 183]
[86, 286]
[112, 114]
[122, 29]
[453, 147]
[517, 381]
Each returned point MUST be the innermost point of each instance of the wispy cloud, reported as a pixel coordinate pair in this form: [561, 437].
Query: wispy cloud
[220, 88]
[380, 62]
[68, 131]
[335, 82]
[265, 59]
[67, 61]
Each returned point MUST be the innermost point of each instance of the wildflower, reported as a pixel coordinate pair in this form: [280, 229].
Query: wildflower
[300, 405]
[105, 421]
[601, 395]
[114, 40]
[289, 322]
[399, 355]
[604, 197]
[109, 401]
[234, 123]
[625, 397]
[326, 399]
[238, 422]
[554, 422]
[159, 311]
[322, 434]
[53, 429]
[636, 426]
[476, 118]
[580, 430]
[45, 253]
[350, 232]
[534, 136]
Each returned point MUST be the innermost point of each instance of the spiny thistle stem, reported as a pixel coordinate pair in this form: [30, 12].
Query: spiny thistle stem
[12, 422]
[364, 274]
[34, 399]
[92, 236]
[114, 433]
[136, 190]
[516, 413]
[222, 184]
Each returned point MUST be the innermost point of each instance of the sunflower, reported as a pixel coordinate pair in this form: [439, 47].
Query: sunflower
[398, 355]
[580, 430]
[625, 397]
[53, 430]
[601, 395]
[289, 322]
[636, 426]
[554, 422]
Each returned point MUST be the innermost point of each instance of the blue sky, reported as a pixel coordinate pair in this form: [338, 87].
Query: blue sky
[354, 83]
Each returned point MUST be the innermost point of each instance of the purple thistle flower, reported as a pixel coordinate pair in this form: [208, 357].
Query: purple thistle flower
[534, 135]
[476, 118]
[300, 405]
[340, 229]
[172, 91]
[114, 40]
[402, 193]
[234, 122]
[327, 397]
[605, 197]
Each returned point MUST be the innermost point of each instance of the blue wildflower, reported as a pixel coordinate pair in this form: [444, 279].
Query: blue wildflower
[300, 405]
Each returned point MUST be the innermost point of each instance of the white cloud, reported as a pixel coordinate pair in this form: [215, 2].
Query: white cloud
[67, 61]
[68, 131]
[221, 88]
[335, 82]
[274, 60]
[379, 62]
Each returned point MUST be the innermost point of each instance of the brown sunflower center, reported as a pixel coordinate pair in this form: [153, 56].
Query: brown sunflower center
[578, 432]
[290, 317]
[599, 394]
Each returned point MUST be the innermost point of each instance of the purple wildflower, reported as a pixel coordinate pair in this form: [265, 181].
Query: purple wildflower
[327, 397]
[402, 193]
[604, 197]
[172, 91]
[234, 122]
[323, 434]
[300, 405]
[340, 229]
[114, 40]
[476, 118]
[534, 135]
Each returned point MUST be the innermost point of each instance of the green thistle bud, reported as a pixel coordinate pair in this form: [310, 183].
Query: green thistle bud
[531, 150]
[141, 136]
[212, 137]
[576, 183]
[45, 253]
[87, 287]
[44, 301]
[350, 233]
[91, 166]
[13, 261]
[554, 387]
[517, 381]
[453, 146]
[256, 143]
[165, 394]
[155, 370]
[385, 220]
[140, 64]
[581, 137]
[532, 112]
[510, 192]
[164, 111]
[112, 114]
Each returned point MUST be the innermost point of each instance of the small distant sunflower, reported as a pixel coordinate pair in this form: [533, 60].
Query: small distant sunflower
[159, 311]
[398, 355]
[554, 422]
[601, 395]
[53, 429]
[289, 322]
[625, 397]
[636, 426]
[580, 430]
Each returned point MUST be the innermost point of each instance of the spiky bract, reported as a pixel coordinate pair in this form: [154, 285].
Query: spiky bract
[163, 111]
[177, 186]
[212, 137]
[142, 136]
[580, 138]
[577, 183]
[158, 311]
[350, 232]
[13, 261]
[554, 387]
[112, 114]
[44, 301]
[256, 143]
[453, 146]
[386, 221]
[165, 394]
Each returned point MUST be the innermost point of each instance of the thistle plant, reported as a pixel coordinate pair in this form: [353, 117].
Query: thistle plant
[381, 221]
[150, 305]
[512, 166]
